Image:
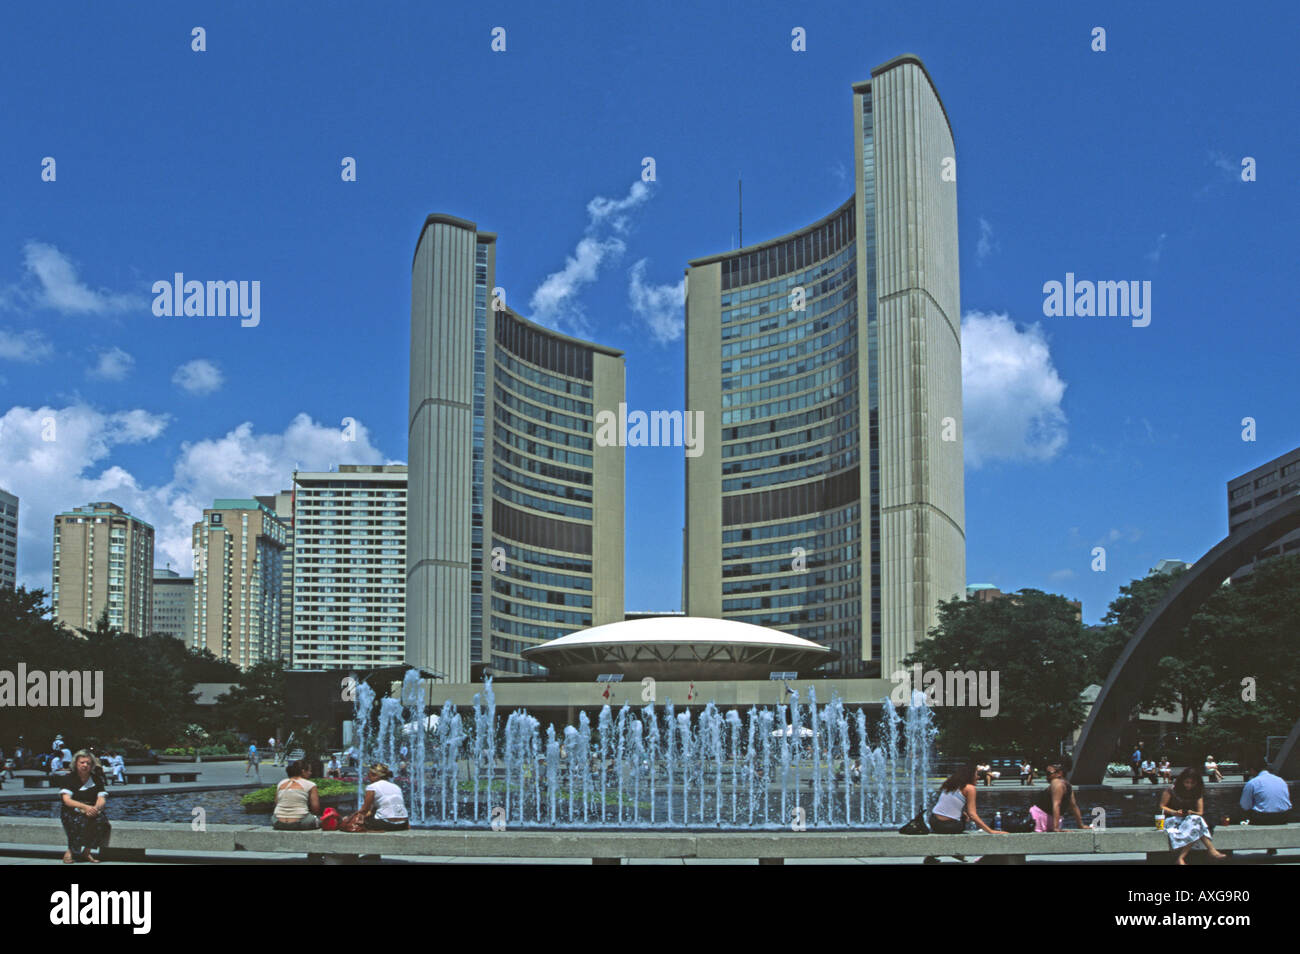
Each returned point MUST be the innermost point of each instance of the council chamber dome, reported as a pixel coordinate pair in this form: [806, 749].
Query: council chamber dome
[678, 648]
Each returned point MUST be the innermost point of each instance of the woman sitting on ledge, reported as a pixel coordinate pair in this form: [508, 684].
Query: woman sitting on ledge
[384, 808]
[955, 806]
[1212, 769]
[83, 814]
[1183, 806]
[297, 800]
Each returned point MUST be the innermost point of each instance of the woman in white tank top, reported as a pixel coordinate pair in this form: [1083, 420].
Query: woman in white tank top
[956, 803]
[383, 808]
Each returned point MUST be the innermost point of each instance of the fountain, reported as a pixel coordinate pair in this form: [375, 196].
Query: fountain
[767, 768]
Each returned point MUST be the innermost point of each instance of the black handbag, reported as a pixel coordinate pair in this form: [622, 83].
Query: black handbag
[916, 826]
[1014, 820]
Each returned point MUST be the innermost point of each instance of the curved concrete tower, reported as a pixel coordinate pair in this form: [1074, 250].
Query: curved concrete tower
[515, 515]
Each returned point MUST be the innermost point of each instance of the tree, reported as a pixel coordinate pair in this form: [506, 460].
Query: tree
[28, 637]
[1032, 641]
[144, 694]
[314, 738]
[1237, 662]
[1184, 678]
[256, 704]
[1257, 641]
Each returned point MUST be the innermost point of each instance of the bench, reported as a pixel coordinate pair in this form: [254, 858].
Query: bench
[37, 781]
[132, 840]
[155, 778]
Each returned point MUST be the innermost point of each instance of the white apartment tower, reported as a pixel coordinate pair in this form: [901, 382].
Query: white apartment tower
[349, 566]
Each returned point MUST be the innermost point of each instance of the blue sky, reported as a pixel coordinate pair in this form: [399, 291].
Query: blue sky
[224, 164]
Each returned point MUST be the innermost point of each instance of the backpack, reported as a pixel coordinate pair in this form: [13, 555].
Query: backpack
[916, 826]
[329, 819]
[1015, 820]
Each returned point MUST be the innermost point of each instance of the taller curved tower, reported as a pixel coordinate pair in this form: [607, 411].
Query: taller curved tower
[829, 500]
[515, 513]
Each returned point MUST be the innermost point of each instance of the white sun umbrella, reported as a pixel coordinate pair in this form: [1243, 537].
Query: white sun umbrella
[804, 732]
[430, 723]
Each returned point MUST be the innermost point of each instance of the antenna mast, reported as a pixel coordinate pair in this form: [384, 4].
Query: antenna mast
[740, 211]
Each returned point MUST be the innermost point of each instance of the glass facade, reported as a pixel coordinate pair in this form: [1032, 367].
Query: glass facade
[873, 348]
[791, 455]
[540, 565]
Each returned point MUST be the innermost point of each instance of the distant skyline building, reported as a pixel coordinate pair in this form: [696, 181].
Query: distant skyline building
[349, 565]
[516, 514]
[173, 605]
[1254, 492]
[103, 563]
[238, 561]
[8, 540]
[829, 500]
[281, 505]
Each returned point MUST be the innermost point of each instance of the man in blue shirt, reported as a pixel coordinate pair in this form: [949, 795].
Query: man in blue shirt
[1135, 760]
[1265, 798]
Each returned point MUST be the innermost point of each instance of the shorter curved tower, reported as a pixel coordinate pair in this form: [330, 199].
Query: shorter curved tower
[515, 514]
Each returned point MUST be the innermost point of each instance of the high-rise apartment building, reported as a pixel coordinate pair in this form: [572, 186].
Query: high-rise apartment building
[349, 564]
[516, 513]
[8, 540]
[281, 505]
[103, 564]
[238, 562]
[828, 501]
[1254, 492]
[173, 605]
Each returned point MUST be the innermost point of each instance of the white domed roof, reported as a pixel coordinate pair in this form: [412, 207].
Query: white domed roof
[679, 647]
[682, 629]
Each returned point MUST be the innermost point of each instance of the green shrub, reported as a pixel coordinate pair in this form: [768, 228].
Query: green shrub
[325, 786]
[204, 750]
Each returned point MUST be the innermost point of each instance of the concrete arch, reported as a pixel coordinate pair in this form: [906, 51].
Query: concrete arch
[1160, 629]
[1287, 763]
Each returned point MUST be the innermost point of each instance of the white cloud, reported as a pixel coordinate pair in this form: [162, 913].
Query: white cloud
[53, 283]
[114, 365]
[1011, 392]
[27, 346]
[662, 306]
[198, 377]
[602, 210]
[1115, 535]
[554, 302]
[987, 244]
[76, 468]
[1231, 168]
[1153, 256]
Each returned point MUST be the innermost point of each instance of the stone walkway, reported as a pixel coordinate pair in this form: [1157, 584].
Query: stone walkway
[213, 776]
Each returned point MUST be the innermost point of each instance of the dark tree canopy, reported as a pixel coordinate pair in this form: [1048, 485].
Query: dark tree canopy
[1040, 652]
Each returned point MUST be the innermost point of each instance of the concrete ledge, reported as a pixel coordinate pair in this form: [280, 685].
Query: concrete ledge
[137, 837]
[475, 844]
[126, 835]
[825, 844]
